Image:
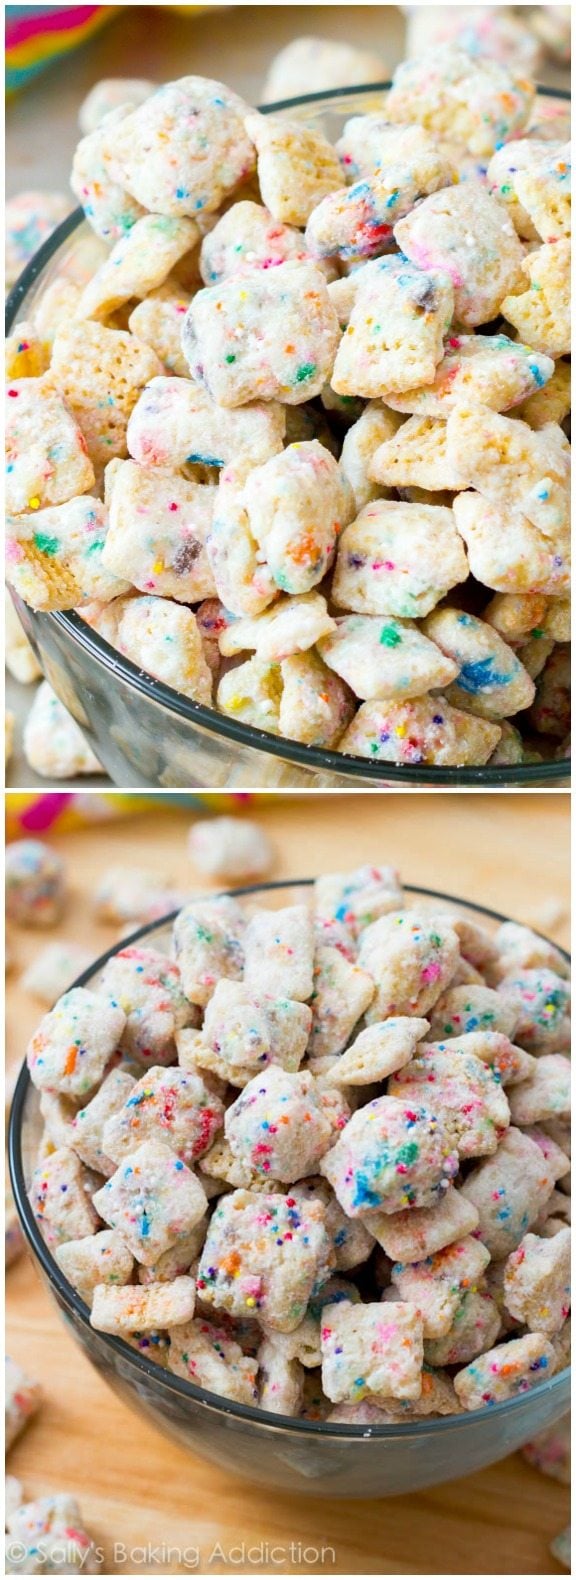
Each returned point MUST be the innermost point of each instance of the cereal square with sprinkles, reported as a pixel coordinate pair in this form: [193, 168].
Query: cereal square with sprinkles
[264, 1254]
[153, 1200]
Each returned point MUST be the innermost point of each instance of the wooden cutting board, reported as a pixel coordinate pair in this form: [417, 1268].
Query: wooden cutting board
[170, 1512]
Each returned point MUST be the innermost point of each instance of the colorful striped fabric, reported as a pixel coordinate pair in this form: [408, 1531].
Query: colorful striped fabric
[36, 36]
[36, 815]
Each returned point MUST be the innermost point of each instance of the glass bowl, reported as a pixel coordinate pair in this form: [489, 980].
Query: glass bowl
[143, 732]
[315, 1457]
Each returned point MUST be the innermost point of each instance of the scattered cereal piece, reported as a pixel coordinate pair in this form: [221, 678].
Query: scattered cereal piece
[327, 62]
[23, 1397]
[54, 745]
[549, 1452]
[229, 848]
[130, 894]
[54, 969]
[20, 658]
[30, 219]
[481, 30]
[50, 1538]
[13, 1495]
[560, 1547]
[107, 94]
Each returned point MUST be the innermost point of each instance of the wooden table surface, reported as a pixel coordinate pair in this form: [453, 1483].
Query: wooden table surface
[509, 852]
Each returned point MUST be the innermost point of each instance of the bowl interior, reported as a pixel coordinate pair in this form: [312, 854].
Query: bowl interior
[74, 251]
[26, 1126]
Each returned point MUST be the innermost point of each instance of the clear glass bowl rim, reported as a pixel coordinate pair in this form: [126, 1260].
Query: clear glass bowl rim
[319, 759]
[68, 1297]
